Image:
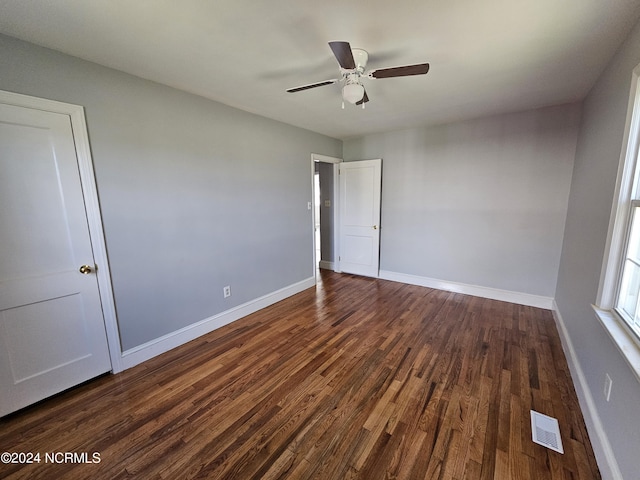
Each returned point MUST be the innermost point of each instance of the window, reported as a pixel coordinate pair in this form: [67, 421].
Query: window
[618, 302]
[629, 292]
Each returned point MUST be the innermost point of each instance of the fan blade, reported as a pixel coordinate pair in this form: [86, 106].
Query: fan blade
[311, 85]
[404, 71]
[344, 55]
[365, 99]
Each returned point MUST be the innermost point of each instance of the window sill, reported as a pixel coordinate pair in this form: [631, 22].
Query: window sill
[621, 338]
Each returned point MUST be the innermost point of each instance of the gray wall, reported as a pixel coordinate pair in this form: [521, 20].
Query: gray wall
[592, 189]
[481, 202]
[194, 195]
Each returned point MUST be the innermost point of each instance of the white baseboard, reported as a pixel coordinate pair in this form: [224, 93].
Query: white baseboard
[326, 265]
[475, 290]
[146, 351]
[600, 442]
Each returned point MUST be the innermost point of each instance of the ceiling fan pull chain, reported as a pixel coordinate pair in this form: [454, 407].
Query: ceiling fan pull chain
[343, 104]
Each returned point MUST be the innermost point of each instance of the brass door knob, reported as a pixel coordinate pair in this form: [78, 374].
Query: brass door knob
[86, 269]
[375, 227]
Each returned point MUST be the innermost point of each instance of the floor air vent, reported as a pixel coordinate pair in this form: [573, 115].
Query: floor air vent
[546, 432]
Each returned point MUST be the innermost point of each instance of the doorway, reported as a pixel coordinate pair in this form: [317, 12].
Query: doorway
[317, 212]
[325, 212]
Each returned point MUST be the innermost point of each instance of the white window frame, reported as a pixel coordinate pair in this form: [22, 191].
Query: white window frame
[631, 323]
[627, 191]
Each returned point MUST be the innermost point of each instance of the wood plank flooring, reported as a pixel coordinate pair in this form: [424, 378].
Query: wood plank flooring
[357, 379]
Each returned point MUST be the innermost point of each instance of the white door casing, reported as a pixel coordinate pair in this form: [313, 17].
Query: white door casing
[52, 326]
[360, 190]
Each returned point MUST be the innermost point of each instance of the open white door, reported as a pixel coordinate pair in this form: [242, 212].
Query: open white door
[52, 330]
[360, 185]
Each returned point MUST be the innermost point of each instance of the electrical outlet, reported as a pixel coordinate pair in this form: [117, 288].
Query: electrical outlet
[608, 383]
[226, 291]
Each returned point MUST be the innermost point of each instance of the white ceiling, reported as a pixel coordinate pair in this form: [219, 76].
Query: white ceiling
[486, 56]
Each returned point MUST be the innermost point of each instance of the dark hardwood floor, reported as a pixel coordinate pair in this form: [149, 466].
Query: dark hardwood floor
[359, 378]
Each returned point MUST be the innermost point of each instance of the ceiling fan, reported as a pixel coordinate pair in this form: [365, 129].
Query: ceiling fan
[353, 62]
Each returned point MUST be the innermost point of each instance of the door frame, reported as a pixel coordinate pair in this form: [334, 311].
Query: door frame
[92, 208]
[335, 204]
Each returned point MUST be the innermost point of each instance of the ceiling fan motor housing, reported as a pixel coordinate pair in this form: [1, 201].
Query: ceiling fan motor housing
[360, 57]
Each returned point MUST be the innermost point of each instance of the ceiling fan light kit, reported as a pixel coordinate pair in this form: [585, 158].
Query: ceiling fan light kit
[353, 62]
[353, 92]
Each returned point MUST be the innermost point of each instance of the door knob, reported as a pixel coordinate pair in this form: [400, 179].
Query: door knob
[86, 269]
[375, 227]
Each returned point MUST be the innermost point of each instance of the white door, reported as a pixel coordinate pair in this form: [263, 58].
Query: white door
[360, 184]
[52, 330]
